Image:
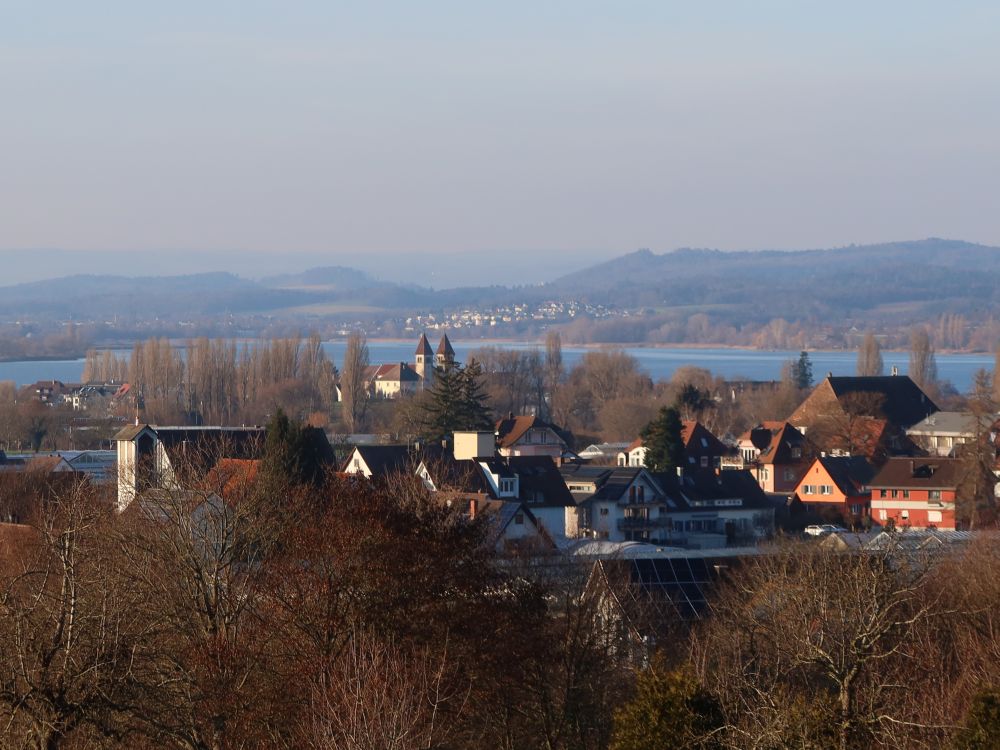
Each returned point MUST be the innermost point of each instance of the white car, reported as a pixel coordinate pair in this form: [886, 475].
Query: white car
[826, 528]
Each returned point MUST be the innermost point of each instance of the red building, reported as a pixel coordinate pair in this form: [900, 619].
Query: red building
[916, 492]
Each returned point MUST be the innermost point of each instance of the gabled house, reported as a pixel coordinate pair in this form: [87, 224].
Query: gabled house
[839, 483]
[710, 509]
[542, 490]
[392, 380]
[834, 415]
[378, 461]
[776, 454]
[702, 449]
[918, 493]
[165, 457]
[513, 527]
[529, 436]
[604, 453]
[944, 432]
[619, 504]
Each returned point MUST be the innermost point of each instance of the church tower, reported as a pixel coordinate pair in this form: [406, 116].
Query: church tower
[445, 358]
[425, 359]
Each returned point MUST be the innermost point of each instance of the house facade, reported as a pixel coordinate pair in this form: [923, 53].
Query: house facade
[838, 483]
[918, 493]
[777, 455]
[529, 436]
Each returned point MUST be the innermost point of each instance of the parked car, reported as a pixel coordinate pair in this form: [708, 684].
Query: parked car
[824, 529]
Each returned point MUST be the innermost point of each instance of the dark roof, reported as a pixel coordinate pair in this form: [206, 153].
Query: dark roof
[702, 486]
[383, 460]
[920, 473]
[611, 481]
[775, 441]
[539, 477]
[193, 451]
[445, 347]
[851, 474]
[424, 347]
[451, 475]
[904, 403]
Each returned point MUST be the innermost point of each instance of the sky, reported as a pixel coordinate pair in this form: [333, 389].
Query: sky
[487, 141]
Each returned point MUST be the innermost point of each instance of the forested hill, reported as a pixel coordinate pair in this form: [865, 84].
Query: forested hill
[934, 273]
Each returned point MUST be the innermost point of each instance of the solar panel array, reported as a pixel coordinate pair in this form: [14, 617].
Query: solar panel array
[678, 583]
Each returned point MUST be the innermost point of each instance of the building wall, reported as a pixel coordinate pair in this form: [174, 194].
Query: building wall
[916, 511]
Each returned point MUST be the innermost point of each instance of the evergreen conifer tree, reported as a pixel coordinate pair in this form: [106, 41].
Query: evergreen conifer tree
[663, 442]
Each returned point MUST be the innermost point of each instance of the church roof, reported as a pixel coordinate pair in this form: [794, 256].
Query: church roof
[424, 347]
[445, 347]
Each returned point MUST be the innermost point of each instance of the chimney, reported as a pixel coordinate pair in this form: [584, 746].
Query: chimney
[472, 509]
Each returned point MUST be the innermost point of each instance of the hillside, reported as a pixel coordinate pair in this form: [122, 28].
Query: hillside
[923, 277]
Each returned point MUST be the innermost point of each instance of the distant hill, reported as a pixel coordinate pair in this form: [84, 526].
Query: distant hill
[897, 283]
[174, 296]
[333, 278]
[930, 276]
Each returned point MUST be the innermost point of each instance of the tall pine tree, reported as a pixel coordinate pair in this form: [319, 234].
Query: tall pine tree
[457, 402]
[663, 442]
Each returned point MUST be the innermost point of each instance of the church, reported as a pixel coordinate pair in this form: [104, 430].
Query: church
[395, 379]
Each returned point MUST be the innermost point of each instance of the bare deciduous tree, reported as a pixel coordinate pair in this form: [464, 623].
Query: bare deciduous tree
[870, 357]
[923, 365]
[353, 385]
[834, 626]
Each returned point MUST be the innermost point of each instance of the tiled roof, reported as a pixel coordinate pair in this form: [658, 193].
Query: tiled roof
[538, 476]
[512, 429]
[445, 348]
[850, 473]
[424, 347]
[920, 473]
[722, 485]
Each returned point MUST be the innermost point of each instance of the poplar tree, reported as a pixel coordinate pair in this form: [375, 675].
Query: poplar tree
[870, 357]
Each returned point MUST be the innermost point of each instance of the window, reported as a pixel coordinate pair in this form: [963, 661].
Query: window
[933, 516]
[882, 493]
[604, 511]
[642, 494]
[809, 489]
[905, 515]
[906, 494]
[826, 489]
[519, 519]
[631, 494]
[882, 515]
[934, 495]
[704, 462]
[704, 443]
[895, 494]
[788, 474]
[796, 452]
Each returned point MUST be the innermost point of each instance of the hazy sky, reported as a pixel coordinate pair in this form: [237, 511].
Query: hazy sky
[586, 129]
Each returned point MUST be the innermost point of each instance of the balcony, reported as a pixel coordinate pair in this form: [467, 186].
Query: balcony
[631, 523]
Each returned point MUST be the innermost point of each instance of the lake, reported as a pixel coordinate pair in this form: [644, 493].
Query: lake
[660, 363]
